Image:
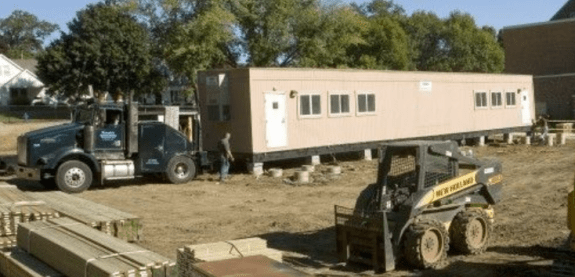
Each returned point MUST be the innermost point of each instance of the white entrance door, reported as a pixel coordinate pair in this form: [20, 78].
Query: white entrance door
[525, 107]
[276, 122]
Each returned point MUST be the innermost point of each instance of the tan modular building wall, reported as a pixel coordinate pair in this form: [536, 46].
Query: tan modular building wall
[381, 105]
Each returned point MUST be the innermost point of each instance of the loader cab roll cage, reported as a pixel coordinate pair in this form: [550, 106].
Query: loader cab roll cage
[420, 165]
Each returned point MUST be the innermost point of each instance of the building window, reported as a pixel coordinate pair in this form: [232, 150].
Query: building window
[480, 99]
[510, 100]
[365, 103]
[310, 105]
[218, 97]
[18, 96]
[496, 100]
[339, 103]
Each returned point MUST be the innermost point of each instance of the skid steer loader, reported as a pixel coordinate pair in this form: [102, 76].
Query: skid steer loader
[427, 197]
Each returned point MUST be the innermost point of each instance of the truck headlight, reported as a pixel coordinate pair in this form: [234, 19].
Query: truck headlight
[22, 150]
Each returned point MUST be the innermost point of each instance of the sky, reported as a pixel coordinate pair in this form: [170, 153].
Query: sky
[496, 13]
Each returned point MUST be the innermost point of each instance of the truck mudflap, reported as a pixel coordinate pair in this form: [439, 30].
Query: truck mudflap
[364, 238]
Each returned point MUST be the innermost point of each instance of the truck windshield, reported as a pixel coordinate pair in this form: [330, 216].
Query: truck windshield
[83, 116]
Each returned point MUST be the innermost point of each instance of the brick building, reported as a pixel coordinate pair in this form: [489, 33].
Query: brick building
[547, 51]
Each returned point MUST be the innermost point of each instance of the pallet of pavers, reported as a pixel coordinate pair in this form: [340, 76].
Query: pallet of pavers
[15, 262]
[223, 250]
[16, 206]
[108, 220]
[253, 266]
[76, 250]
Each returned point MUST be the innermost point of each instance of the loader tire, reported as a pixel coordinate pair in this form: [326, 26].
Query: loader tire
[426, 244]
[470, 231]
[366, 200]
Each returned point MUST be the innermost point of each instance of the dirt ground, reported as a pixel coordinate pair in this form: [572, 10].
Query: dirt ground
[529, 233]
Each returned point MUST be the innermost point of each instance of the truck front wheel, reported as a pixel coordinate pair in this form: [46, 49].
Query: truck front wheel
[181, 170]
[74, 177]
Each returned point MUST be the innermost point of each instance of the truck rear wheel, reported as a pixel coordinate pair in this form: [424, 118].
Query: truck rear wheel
[470, 231]
[181, 170]
[426, 244]
[73, 177]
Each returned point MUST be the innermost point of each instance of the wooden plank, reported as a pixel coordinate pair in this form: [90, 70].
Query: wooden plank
[75, 249]
[16, 206]
[108, 220]
[16, 262]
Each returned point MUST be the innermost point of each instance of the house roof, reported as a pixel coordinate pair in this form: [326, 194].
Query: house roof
[29, 64]
[567, 11]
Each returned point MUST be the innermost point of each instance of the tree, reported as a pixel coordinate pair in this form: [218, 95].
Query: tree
[453, 44]
[22, 33]
[325, 35]
[105, 48]
[200, 43]
[469, 48]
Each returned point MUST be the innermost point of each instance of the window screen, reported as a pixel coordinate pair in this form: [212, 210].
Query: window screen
[310, 104]
[510, 98]
[339, 103]
[496, 99]
[480, 99]
[366, 103]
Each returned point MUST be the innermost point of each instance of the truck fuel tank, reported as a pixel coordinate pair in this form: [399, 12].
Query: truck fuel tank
[118, 169]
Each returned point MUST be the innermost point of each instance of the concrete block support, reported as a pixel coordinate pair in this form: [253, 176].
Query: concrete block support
[313, 160]
[508, 138]
[481, 141]
[367, 154]
[550, 139]
[562, 138]
[527, 140]
[256, 169]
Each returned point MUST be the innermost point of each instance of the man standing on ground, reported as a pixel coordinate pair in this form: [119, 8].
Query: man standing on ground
[225, 156]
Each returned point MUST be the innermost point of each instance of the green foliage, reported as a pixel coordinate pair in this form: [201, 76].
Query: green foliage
[324, 37]
[22, 34]
[454, 44]
[200, 43]
[105, 48]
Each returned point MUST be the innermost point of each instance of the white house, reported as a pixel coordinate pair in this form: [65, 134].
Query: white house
[18, 83]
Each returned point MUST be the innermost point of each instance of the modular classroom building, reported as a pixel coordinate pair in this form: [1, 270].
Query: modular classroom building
[276, 114]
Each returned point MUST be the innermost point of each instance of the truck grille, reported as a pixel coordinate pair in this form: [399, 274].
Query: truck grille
[22, 150]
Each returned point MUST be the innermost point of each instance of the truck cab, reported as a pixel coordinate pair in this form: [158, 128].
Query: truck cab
[106, 141]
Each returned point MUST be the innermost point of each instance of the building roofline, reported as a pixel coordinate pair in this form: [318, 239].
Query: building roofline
[561, 10]
[539, 24]
[12, 62]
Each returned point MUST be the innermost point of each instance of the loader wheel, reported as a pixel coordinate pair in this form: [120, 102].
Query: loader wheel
[426, 244]
[181, 170]
[470, 231]
[73, 177]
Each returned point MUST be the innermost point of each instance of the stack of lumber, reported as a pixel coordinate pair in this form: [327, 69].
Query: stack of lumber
[17, 263]
[223, 250]
[77, 250]
[16, 206]
[108, 220]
